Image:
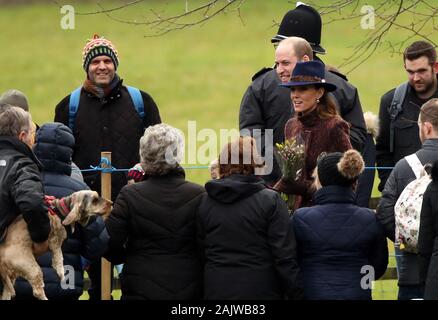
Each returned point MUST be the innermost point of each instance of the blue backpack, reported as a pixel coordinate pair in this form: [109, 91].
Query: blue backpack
[76, 95]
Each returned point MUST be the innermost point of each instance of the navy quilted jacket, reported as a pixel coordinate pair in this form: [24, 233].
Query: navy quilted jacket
[54, 149]
[335, 240]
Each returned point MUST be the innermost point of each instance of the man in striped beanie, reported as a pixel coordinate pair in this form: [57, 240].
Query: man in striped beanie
[105, 115]
[100, 61]
[99, 46]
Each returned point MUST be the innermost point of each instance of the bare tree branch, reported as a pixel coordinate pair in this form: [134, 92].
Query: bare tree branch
[104, 10]
[415, 17]
[388, 19]
[161, 23]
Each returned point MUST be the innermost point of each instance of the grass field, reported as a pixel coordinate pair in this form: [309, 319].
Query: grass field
[199, 74]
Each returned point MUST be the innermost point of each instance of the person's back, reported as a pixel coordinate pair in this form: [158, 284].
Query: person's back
[21, 190]
[400, 177]
[336, 239]
[428, 238]
[243, 228]
[152, 226]
[54, 148]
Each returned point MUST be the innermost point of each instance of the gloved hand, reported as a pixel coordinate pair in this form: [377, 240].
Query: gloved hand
[135, 174]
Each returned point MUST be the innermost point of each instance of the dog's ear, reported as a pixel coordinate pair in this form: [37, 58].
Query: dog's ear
[77, 200]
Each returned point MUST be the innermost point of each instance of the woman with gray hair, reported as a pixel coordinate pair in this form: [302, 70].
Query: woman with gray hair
[152, 226]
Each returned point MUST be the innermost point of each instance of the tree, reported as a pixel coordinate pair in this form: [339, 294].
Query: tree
[417, 17]
[161, 23]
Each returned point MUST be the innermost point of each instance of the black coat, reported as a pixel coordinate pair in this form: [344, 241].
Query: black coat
[249, 249]
[366, 179]
[108, 124]
[54, 150]
[152, 230]
[335, 239]
[21, 190]
[406, 135]
[266, 105]
[428, 238]
[400, 177]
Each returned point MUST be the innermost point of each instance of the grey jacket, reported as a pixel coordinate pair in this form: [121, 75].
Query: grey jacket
[400, 177]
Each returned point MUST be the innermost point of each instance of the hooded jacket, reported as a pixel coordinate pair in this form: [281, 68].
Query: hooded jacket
[336, 239]
[54, 148]
[21, 190]
[249, 250]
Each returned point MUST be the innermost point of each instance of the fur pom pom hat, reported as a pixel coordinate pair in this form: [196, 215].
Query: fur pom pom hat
[340, 169]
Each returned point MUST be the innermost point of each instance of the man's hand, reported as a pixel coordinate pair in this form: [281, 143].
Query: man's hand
[40, 248]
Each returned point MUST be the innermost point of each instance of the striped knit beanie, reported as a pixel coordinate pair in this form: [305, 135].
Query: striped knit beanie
[99, 46]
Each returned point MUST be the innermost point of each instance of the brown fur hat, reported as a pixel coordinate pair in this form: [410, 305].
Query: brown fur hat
[342, 169]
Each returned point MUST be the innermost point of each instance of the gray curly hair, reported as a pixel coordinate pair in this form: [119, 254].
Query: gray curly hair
[161, 149]
[13, 120]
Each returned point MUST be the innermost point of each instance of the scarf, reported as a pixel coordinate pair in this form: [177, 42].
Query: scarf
[98, 91]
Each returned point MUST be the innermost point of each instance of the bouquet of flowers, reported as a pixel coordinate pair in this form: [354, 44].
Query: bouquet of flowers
[290, 157]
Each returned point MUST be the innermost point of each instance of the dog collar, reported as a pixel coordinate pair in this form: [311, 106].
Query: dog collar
[62, 211]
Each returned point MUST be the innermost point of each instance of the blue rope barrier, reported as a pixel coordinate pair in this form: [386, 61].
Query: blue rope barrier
[105, 161]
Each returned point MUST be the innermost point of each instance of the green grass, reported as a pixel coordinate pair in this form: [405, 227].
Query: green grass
[199, 74]
[196, 74]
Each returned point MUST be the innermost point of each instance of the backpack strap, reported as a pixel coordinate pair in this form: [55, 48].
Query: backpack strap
[394, 110]
[137, 99]
[73, 107]
[415, 164]
[75, 96]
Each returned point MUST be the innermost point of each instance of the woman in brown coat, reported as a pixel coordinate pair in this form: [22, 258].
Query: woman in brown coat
[316, 124]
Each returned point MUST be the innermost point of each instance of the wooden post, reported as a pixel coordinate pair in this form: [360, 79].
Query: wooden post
[106, 265]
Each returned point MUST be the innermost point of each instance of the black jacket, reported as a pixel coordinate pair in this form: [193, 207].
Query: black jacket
[250, 251]
[54, 149]
[336, 239]
[266, 105]
[108, 124]
[406, 136]
[152, 230]
[428, 238]
[21, 190]
[400, 177]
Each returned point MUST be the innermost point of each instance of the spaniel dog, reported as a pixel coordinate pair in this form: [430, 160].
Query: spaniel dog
[16, 256]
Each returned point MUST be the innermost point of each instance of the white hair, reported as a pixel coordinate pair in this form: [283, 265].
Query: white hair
[161, 149]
